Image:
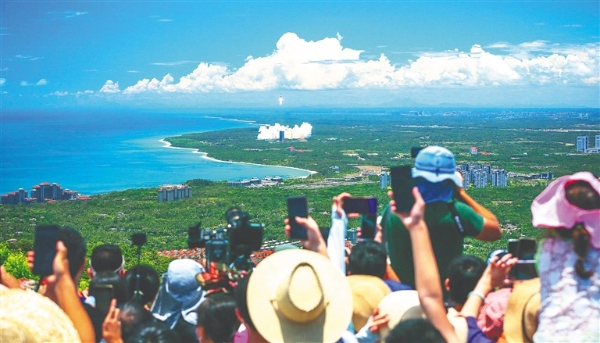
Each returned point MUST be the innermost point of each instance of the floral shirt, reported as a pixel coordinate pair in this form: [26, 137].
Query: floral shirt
[570, 306]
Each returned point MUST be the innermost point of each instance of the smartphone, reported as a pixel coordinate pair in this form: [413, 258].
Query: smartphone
[525, 267]
[44, 247]
[368, 226]
[297, 207]
[414, 151]
[402, 185]
[513, 245]
[360, 205]
[103, 295]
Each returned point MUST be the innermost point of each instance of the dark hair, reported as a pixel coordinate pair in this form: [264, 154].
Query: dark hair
[116, 281]
[463, 273]
[216, 314]
[106, 257]
[153, 332]
[132, 315]
[149, 282]
[368, 258]
[76, 248]
[240, 296]
[582, 195]
[414, 330]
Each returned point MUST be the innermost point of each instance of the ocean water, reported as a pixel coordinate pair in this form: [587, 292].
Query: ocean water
[96, 152]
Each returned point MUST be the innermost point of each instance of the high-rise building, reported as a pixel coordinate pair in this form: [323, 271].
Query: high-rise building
[582, 143]
[597, 141]
[383, 180]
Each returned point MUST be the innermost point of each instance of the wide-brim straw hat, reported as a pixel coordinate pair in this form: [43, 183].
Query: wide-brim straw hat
[27, 316]
[521, 318]
[367, 292]
[399, 306]
[299, 296]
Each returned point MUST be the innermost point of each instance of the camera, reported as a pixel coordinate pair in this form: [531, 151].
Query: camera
[244, 236]
[214, 242]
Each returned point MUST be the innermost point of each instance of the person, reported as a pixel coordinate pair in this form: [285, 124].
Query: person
[75, 256]
[247, 332]
[463, 274]
[154, 332]
[106, 257]
[414, 330]
[370, 258]
[427, 277]
[31, 317]
[569, 259]
[132, 315]
[217, 321]
[178, 298]
[435, 175]
[298, 295]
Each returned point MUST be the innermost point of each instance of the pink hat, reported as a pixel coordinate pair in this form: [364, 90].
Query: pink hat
[551, 209]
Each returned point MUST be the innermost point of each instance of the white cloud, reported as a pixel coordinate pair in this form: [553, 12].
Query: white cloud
[325, 64]
[42, 82]
[176, 63]
[59, 93]
[110, 87]
[2, 81]
[133, 71]
[164, 20]
[24, 83]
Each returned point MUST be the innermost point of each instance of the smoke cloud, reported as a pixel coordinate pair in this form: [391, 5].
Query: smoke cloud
[269, 132]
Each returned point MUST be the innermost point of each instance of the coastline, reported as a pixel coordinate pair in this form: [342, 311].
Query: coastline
[204, 155]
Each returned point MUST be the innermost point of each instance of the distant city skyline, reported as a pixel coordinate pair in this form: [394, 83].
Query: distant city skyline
[160, 54]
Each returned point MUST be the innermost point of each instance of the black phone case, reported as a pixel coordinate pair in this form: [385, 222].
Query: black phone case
[402, 185]
[297, 207]
[44, 248]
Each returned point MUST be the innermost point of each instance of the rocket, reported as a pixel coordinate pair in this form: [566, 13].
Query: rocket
[280, 100]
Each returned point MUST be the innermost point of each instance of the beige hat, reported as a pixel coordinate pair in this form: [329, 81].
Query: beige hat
[30, 317]
[298, 295]
[399, 306]
[521, 318]
[367, 292]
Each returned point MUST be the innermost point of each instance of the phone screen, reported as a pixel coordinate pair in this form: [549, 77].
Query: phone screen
[297, 207]
[402, 185]
[525, 267]
[103, 295]
[368, 226]
[360, 205]
[513, 245]
[44, 247]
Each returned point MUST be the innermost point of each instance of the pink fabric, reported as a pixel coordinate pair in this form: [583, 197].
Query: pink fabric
[241, 336]
[551, 209]
[491, 315]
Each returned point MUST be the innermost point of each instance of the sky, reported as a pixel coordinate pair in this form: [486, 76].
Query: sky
[202, 54]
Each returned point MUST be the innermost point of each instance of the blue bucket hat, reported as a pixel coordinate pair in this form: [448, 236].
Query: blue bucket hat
[436, 164]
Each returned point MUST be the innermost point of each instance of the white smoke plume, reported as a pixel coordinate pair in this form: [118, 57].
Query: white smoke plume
[269, 132]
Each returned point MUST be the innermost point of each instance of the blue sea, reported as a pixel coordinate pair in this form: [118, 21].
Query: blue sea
[97, 152]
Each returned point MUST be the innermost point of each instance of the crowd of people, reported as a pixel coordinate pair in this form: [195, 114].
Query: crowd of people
[411, 283]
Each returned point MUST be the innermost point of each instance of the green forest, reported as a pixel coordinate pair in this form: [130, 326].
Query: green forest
[526, 145]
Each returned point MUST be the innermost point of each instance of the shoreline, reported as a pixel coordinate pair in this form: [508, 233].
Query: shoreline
[204, 155]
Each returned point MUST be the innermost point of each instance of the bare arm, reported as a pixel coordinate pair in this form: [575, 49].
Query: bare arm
[315, 241]
[427, 277]
[66, 296]
[491, 228]
[493, 276]
[8, 280]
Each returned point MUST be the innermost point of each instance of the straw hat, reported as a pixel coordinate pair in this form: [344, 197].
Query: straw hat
[297, 295]
[399, 306]
[521, 318]
[367, 292]
[30, 317]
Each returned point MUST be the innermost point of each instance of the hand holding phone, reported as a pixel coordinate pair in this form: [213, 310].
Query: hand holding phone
[44, 247]
[402, 185]
[297, 207]
[103, 295]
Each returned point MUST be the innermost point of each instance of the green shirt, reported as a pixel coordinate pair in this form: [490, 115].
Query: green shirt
[446, 240]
